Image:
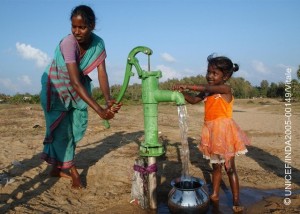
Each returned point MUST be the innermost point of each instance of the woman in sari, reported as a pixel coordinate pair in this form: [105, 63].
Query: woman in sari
[66, 93]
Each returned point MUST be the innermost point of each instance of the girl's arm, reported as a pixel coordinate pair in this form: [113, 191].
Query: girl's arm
[224, 90]
[193, 99]
[82, 92]
[210, 89]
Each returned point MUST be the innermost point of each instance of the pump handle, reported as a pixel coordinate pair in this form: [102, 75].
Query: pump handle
[131, 61]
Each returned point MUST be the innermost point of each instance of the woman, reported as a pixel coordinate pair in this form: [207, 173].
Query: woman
[66, 93]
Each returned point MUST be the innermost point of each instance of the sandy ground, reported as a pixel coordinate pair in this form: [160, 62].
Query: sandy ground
[105, 158]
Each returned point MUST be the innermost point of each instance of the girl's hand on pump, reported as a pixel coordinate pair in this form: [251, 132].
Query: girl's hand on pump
[179, 88]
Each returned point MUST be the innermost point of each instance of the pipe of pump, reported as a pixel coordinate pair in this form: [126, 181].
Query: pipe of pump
[151, 96]
[152, 185]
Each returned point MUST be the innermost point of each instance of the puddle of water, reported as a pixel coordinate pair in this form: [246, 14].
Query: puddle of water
[248, 197]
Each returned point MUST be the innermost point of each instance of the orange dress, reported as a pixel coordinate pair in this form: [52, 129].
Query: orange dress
[221, 137]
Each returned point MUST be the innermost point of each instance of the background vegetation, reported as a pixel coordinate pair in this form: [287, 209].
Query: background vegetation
[241, 89]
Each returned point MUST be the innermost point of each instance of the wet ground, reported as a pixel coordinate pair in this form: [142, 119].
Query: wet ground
[248, 197]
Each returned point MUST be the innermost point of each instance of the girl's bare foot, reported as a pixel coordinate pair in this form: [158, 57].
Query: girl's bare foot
[238, 209]
[56, 172]
[76, 182]
[214, 198]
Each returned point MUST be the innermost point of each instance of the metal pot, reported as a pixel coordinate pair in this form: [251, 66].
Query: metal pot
[188, 196]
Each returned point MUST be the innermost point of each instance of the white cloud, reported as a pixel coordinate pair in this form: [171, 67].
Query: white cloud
[167, 57]
[168, 73]
[27, 52]
[260, 67]
[17, 85]
[25, 79]
[283, 66]
[242, 73]
[8, 84]
[190, 72]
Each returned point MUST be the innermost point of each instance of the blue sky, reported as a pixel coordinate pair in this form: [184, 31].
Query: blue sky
[262, 36]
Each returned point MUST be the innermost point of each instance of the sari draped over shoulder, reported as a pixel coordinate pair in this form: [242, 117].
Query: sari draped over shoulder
[65, 112]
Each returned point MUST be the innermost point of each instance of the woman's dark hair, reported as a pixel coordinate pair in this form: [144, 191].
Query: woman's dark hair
[86, 13]
[223, 63]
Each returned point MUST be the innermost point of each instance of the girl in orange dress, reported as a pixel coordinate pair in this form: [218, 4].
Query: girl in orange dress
[221, 138]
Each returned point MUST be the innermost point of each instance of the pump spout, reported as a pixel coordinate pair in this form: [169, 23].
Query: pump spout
[169, 96]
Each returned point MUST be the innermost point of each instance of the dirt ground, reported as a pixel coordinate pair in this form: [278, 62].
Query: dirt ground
[105, 159]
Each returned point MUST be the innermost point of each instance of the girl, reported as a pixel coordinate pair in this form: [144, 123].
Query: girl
[66, 93]
[221, 137]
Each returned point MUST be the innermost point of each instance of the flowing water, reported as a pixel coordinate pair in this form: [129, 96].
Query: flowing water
[185, 152]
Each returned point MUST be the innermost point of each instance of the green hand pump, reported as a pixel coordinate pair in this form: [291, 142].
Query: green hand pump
[151, 96]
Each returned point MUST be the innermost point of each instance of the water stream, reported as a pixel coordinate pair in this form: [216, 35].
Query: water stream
[185, 152]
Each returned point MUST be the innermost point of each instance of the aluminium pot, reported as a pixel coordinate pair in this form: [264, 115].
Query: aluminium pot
[188, 196]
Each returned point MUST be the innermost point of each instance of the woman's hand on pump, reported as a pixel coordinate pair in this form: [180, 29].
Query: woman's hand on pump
[106, 113]
[113, 106]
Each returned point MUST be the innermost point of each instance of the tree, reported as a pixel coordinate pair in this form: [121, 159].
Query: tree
[295, 89]
[241, 87]
[264, 88]
[272, 90]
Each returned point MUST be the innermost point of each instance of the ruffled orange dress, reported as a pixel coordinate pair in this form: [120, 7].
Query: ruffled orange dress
[221, 137]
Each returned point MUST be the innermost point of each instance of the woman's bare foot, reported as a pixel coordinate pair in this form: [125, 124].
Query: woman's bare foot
[76, 182]
[56, 172]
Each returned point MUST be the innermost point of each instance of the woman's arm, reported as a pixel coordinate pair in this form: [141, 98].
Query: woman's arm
[104, 85]
[82, 92]
[103, 81]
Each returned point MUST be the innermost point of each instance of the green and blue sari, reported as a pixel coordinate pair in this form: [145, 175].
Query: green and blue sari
[65, 112]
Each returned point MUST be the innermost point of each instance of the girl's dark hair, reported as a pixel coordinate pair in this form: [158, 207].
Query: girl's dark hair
[223, 63]
[86, 13]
